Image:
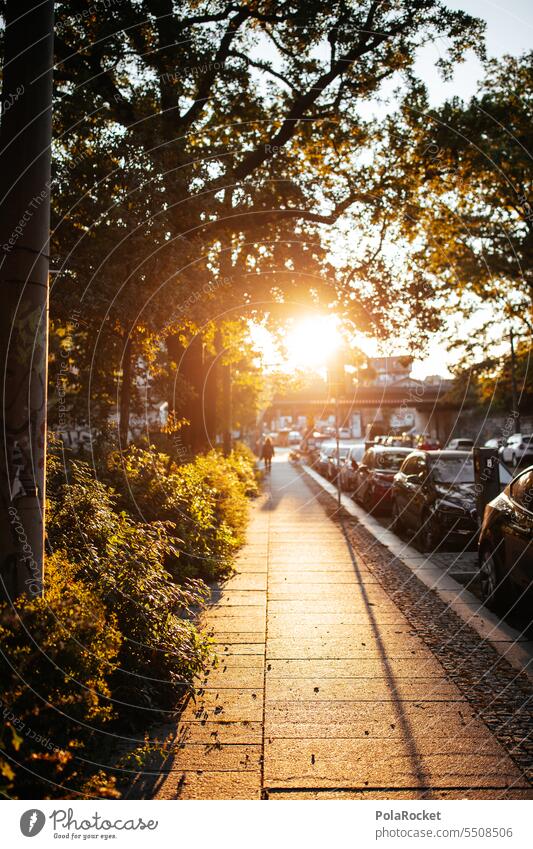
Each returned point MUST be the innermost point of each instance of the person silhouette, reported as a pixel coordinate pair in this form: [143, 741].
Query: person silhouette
[267, 452]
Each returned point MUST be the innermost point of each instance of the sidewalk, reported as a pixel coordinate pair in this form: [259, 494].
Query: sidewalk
[323, 688]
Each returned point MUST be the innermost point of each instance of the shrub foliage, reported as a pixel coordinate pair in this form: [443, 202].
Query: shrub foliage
[113, 642]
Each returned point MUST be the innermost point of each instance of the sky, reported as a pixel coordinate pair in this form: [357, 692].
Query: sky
[509, 31]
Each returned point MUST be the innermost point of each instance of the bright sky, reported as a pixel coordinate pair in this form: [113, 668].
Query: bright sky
[509, 31]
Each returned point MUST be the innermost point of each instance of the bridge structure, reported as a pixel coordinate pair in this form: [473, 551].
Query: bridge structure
[403, 405]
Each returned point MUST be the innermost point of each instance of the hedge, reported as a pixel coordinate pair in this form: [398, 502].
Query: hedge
[113, 642]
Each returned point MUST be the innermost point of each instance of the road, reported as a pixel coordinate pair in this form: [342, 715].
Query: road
[326, 686]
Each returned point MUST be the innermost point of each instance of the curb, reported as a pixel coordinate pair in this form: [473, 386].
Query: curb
[507, 641]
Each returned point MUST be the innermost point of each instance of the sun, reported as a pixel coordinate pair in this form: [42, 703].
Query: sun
[311, 341]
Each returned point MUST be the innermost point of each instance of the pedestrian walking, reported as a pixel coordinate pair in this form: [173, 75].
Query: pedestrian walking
[267, 453]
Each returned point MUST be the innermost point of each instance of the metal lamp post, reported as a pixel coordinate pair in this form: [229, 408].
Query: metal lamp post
[335, 369]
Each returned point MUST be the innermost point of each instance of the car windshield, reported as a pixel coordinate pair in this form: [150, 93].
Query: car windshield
[343, 451]
[391, 460]
[453, 470]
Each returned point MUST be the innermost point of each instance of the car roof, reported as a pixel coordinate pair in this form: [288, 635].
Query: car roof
[447, 452]
[389, 448]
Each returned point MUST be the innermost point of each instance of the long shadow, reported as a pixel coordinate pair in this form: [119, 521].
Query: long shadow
[156, 764]
[275, 493]
[422, 777]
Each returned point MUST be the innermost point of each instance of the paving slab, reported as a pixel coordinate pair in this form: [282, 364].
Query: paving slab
[387, 763]
[323, 688]
[202, 784]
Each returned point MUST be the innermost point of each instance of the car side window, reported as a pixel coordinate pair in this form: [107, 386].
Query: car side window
[522, 491]
[410, 466]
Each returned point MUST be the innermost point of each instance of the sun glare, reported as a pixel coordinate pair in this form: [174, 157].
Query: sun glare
[311, 342]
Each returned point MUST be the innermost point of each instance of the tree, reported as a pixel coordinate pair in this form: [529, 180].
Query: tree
[219, 130]
[463, 210]
[25, 145]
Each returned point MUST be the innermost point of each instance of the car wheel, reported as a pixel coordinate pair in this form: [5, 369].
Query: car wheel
[428, 534]
[368, 501]
[397, 523]
[494, 588]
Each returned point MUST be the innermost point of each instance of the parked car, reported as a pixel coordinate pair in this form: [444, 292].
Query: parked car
[518, 448]
[428, 443]
[322, 460]
[295, 437]
[506, 543]
[400, 440]
[349, 468]
[460, 444]
[434, 495]
[333, 468]
[497, 442]
[375, 475]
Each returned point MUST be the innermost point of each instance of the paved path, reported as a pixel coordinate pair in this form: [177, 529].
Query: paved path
[323, 688]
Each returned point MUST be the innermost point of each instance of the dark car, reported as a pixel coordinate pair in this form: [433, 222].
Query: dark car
[506, 543]
[375, 474]
[434, 495]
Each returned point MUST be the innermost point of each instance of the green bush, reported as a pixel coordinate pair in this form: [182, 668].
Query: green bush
[59, 653]
[124, 561]
[204, 503]
[244, 463]
[113, 640]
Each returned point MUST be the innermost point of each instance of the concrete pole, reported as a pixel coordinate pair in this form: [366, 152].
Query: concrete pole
[25, 159]
[338, 449]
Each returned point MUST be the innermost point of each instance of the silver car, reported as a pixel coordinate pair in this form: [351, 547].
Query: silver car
[348, 471]
[517, 449]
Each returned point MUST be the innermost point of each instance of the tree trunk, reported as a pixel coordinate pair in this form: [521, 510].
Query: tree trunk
[210, 398]
[194, 374]
[125, 393]
[226, 409]
[190, 366]
[25, 153]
